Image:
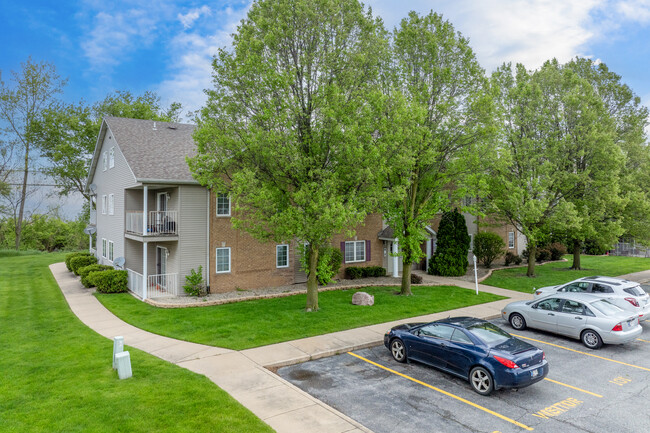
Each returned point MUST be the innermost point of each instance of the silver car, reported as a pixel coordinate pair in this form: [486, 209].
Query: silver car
[587, 317]
[627, 295]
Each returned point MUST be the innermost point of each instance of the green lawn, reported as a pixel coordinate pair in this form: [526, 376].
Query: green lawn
[56, 373]
[558, 273]
[249, 324]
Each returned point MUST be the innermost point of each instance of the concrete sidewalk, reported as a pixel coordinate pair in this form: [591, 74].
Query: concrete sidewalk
[245, 374]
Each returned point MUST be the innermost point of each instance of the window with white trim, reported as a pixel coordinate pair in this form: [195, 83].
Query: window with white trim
[282, 256]
[111, 157]
[222, 260]
[355, 251]
[105, 160]
[511, 240]
[111, 204]
[104, 204]
[110, 250]
[223, 205]
[103, 247]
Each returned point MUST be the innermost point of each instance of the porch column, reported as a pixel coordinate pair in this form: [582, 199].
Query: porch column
[145, 274]
[145, 216]
[395, 259]
[428, 255]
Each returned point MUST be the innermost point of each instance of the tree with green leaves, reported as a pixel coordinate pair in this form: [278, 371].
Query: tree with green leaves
[66, 134]
[289, 127]
[450, 258]
[440, 122]
[630, 119]
[554, 153]
[35, 88]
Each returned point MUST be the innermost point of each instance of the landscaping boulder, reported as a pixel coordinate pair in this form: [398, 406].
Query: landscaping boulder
[363, 298]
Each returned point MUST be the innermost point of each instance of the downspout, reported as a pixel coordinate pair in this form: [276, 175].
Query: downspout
[207, 244]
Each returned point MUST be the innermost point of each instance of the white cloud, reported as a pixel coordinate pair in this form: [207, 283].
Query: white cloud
[635, 10]
[188, 19]
[117, 34]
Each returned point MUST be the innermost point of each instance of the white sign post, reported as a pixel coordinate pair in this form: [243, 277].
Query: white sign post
[475, 274]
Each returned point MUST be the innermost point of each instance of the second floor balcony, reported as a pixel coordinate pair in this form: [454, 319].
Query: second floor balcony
[159, 223]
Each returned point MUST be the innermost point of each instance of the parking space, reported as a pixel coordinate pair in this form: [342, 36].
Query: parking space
[594, 391]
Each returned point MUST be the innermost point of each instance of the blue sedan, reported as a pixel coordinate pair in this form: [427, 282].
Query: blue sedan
[472, 349]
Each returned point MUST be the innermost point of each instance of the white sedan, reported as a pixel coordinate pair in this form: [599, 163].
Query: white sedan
[627, 295]
[587, 317]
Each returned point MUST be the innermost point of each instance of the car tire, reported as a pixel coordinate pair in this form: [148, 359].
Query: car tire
[517, 321]
[481, 381]
[591, 339]
[398, 350]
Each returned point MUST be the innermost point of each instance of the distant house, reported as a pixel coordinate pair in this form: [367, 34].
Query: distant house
[153, 219]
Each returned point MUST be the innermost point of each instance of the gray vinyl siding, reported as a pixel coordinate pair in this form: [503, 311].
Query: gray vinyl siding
[112, 181]
[192, 233]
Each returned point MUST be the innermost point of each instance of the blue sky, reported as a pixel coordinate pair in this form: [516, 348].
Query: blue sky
[166, 46]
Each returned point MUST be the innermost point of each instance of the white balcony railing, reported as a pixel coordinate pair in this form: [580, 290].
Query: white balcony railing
[162, 285]
[159, 222]
[135, 282]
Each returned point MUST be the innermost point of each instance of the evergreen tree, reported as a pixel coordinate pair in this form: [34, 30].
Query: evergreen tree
[450, 259]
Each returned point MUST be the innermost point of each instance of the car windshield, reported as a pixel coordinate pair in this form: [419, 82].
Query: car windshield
[489, 333]
[605, 307]
[636, 291]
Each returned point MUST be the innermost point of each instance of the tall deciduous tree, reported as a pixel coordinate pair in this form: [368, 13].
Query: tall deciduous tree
[441, 117]
[289, 127]
[557, 143]
[66, 134]
[35, 88]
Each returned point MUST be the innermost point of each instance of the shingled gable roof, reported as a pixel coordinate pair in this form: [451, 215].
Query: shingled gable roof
[153, 154]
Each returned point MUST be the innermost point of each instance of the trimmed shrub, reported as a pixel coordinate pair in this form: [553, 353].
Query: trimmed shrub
[195, 286]
[113, 281]
[86, 270]
[511, 258]
[354, 272]
[80, 261]
[488, 247]
[450, 259]
[543, 255]
[416, 279]
[557, 250]
[70, 256]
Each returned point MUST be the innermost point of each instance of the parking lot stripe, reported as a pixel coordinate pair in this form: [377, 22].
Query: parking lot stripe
[498, 415]
[574, 387]
[581, 352]
[645, 341]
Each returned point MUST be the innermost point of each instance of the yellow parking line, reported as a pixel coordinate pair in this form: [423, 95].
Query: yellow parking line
[584, 353]
[573, 387]
[444, 392]
[645, 341]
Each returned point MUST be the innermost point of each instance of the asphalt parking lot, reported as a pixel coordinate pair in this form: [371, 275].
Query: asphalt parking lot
[586, 391]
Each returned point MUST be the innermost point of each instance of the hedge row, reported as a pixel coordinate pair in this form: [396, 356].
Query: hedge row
[110, 281]
[85, 272]
[354, 272]
[79, 262]
[73, 255]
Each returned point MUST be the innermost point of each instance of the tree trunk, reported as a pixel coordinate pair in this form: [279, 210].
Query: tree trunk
[532, 251]
[576, 255]
[23, 196]
[312, 282]
[406, 279]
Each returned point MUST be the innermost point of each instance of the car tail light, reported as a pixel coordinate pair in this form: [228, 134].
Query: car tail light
[632, 301]
[508, 363]
[543, 356]
[618, 327]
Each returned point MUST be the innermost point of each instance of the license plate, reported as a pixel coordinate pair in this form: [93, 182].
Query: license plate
[630, 322]
[534, 373]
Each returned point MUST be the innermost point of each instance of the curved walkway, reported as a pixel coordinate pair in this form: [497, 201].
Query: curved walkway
[245, 375]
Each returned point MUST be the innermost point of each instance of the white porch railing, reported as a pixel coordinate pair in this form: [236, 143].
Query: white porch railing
[159, 222]
[162, 285]
[135, 282]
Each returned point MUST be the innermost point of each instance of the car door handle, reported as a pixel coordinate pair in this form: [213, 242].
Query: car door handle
[578, 318]
[551, 314]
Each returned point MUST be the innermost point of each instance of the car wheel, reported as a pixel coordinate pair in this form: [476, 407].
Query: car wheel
[481, 381]
[517, 321]
[398, 350]
[591, 339]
